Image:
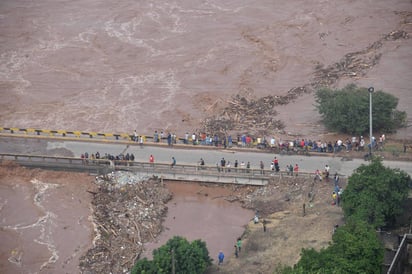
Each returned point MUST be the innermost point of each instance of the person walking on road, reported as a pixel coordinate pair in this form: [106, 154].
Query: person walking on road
[173, 162]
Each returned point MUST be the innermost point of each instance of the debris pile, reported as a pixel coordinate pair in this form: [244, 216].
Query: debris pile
[255, 116]
[277, 195]
[128, 212]
[354, 64]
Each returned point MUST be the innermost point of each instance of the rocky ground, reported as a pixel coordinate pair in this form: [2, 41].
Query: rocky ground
[299, 214]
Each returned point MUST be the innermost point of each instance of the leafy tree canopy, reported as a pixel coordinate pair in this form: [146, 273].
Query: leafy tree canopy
[187, 258]
[375, 194]
[347, 110]
[355, 249]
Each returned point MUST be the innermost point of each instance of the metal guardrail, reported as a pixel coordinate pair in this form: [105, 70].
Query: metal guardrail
[129, 138]
[183, 172]
[177, 172]
[400, 260]
[66, 133]
[125, 137]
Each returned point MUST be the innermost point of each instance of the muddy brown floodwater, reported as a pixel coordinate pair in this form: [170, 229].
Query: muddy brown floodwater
[149, 65]
[46, 219]
[45, 225]
[117, 66]
[200, 212]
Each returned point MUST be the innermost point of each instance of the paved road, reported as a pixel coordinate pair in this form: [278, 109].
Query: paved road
[185, 155]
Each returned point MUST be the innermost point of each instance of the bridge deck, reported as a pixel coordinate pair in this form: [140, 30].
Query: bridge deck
[178, 172]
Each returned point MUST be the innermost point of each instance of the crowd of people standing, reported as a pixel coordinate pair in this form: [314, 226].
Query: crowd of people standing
[355, 143]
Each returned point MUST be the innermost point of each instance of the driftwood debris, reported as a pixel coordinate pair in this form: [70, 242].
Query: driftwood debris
[126, 215]
[255, 116]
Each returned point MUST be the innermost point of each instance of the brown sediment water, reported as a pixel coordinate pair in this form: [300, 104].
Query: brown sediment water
[44, 221]
[201, 212]
[158, 65]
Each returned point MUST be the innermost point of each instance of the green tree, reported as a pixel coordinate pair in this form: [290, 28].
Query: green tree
[375, 194]
[186, 257]
[355, 249]
[347, 110]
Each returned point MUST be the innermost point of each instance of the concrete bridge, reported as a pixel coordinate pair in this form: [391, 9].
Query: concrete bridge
[180, 172]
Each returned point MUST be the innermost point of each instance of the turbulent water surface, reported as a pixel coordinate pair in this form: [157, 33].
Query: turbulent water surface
[118, 66]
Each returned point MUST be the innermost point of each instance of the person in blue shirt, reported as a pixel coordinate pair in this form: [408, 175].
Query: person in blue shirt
[221, 256]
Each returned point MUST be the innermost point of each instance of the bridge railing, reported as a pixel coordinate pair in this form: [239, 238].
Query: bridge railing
[160, 168]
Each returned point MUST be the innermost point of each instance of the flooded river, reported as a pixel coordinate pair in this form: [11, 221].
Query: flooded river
[200, 212]
[45, 222]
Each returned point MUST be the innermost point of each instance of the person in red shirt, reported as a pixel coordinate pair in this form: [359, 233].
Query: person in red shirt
[296, 169]
[151, 159]
[276, 163]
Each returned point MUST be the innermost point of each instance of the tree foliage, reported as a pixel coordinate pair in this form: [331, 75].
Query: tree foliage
[355, 249]
[374, 197]
[347, 110]
[376, 194]
[187, 258]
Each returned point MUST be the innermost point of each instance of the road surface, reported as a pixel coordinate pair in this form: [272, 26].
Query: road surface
[185, 155]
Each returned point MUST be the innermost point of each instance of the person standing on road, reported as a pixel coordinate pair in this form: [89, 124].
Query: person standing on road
[276, 163]
[141, 141]
[151, 160]
[202, 163]
[173, 162]
[296, 169]
[223, 164]
[242, 166]
[262, 168]
[291, 170]
[327, 168]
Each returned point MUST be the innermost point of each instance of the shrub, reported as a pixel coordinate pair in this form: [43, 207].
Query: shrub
[347, 110]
